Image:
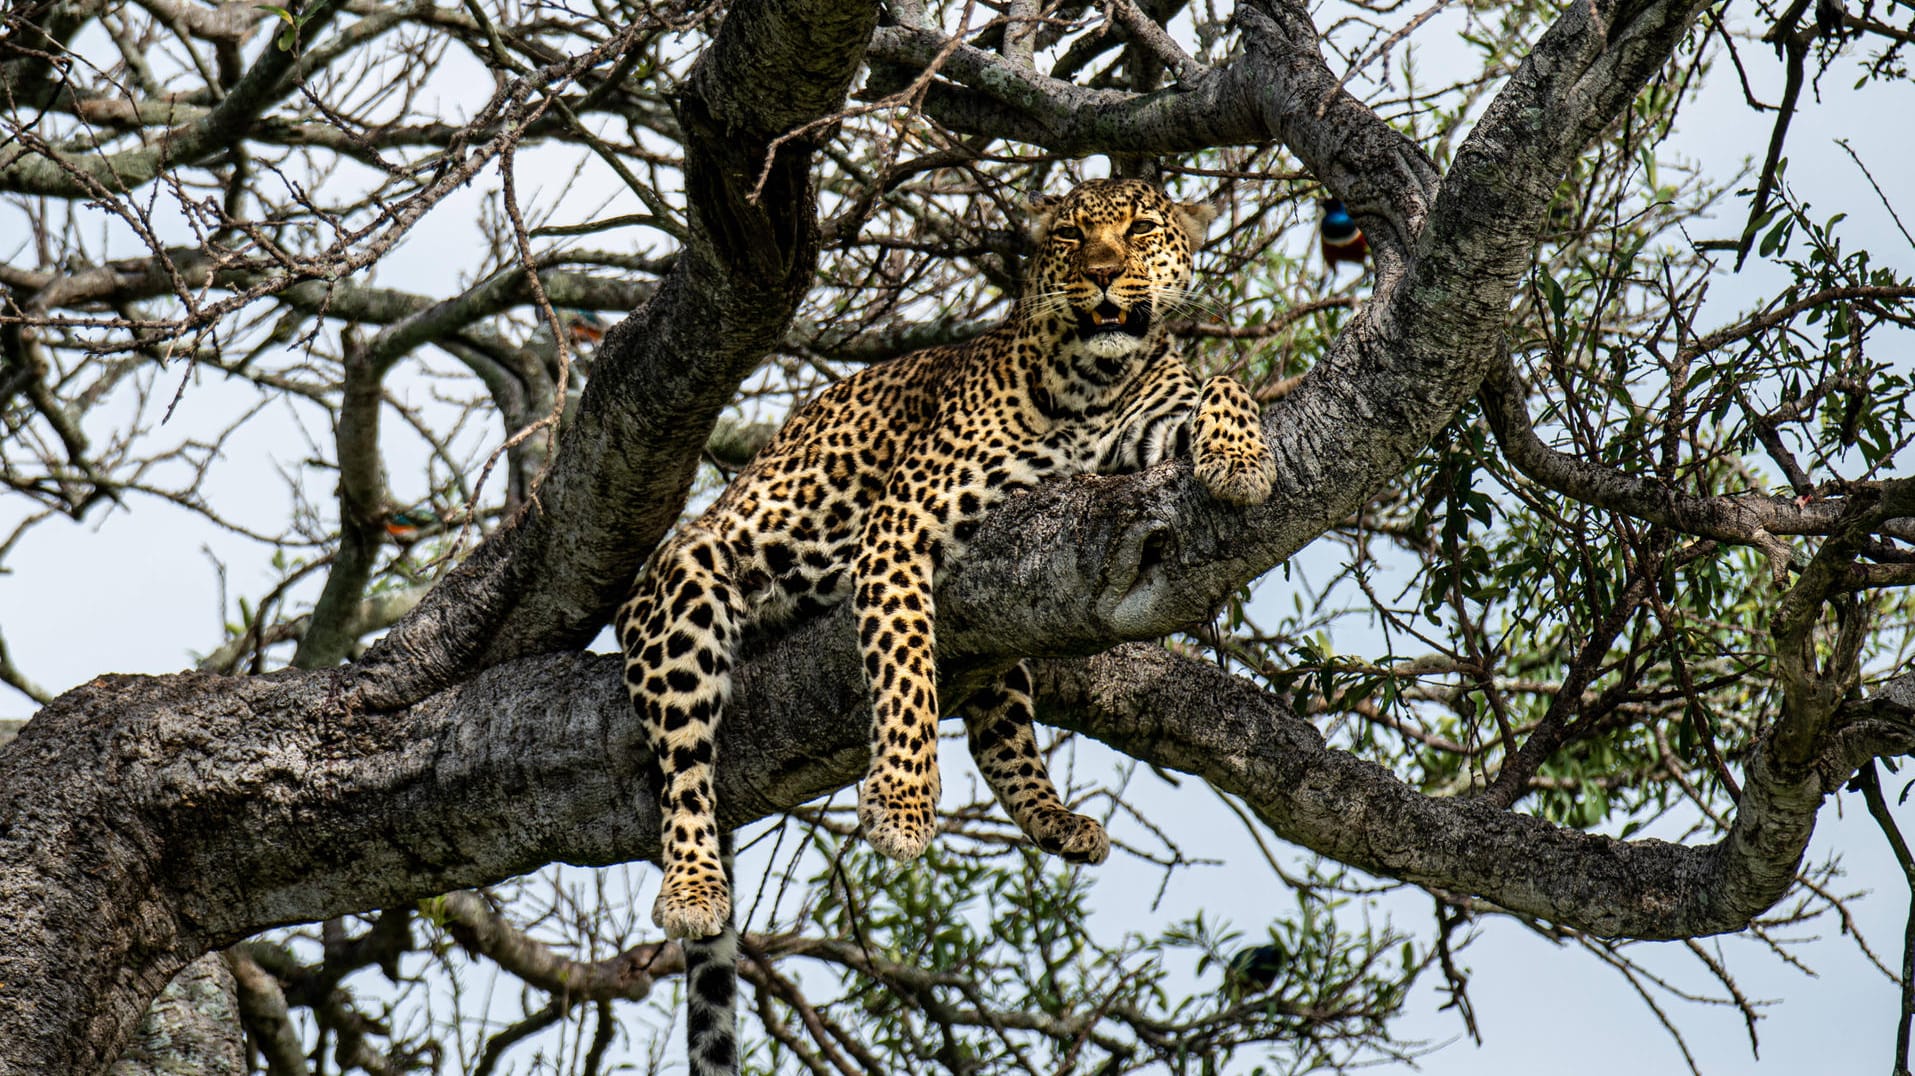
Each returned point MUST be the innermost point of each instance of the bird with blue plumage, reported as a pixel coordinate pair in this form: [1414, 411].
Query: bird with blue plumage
[1339, 237]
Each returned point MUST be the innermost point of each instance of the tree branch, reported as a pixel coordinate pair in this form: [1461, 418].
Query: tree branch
[479, 929]
[39, 169]
[192, 1026]
[262, 1005]
[153, 819]
[1744, 519]
[1187, 715]
[362, 505]
[1279, 89]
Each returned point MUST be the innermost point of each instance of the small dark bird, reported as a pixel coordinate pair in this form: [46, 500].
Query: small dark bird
[1255, 969]
[1342, 240]
[1831, 19]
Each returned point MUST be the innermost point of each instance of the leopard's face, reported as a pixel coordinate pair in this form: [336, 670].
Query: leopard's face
[1113, 259]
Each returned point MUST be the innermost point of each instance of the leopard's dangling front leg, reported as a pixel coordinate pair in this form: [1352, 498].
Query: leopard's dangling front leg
[897, 803]
[998, 720]
[1231, 458]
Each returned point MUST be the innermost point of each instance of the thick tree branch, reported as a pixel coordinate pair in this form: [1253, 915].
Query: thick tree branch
[153, 819]
[192, 1027]
[1189, 716]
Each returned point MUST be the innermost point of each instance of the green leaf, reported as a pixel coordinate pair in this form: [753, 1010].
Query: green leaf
[1553, 293]
[1776, 239]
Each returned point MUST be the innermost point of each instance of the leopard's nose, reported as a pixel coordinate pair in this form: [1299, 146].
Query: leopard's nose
[1102, 275]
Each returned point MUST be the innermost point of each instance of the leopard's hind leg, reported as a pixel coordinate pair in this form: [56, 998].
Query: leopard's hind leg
[998, 721]
[678, 631]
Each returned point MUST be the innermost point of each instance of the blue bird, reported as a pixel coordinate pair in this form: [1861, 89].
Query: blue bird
[582, 326]
[408, 524]
[1342, 240]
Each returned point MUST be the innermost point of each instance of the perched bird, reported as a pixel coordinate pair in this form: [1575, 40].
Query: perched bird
[1831, 19]
[1255, 969]
[583, 326]
[407, 524]
[1342, 240]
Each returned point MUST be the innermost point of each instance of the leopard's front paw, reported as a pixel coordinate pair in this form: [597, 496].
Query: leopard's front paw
[1232, 460]
[1075, 838]
[898, 820]
[692, 904]
[1240, 477]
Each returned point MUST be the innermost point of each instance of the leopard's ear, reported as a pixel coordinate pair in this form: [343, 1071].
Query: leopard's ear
[1196, 218]
[1039, 211]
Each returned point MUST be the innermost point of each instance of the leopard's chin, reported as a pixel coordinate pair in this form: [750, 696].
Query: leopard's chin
[1117, 345]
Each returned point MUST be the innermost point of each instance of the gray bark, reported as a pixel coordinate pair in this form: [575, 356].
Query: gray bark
[1189, 716]
[71, 852]
[179, 814]
[192, 1028]
[43, 170]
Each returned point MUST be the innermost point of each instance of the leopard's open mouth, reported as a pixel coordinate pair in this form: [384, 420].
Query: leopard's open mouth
[1108, 317]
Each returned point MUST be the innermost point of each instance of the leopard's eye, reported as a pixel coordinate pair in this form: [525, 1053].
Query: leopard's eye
[1142, 226]
[1068, 231]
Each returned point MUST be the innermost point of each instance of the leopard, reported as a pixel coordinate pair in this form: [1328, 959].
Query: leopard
[871, 492]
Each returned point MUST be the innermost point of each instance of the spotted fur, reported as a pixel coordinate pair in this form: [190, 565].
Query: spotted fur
[874, 488]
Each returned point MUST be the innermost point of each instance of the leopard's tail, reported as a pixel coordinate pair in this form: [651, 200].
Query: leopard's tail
[711, 992]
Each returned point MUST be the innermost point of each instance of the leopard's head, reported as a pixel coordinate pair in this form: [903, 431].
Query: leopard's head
[1112, 259]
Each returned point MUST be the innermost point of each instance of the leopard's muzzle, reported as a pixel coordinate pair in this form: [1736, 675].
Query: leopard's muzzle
[1107, 317]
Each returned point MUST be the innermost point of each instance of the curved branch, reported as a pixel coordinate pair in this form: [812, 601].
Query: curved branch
[262, 1007]
[1744, 519]
[1187, 715]
[1279, 89]
[479, 929]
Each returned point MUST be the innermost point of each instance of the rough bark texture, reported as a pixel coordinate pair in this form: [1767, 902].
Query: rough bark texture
[146, 821]
[71, 858]
[191, 1029]
[271, 805]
